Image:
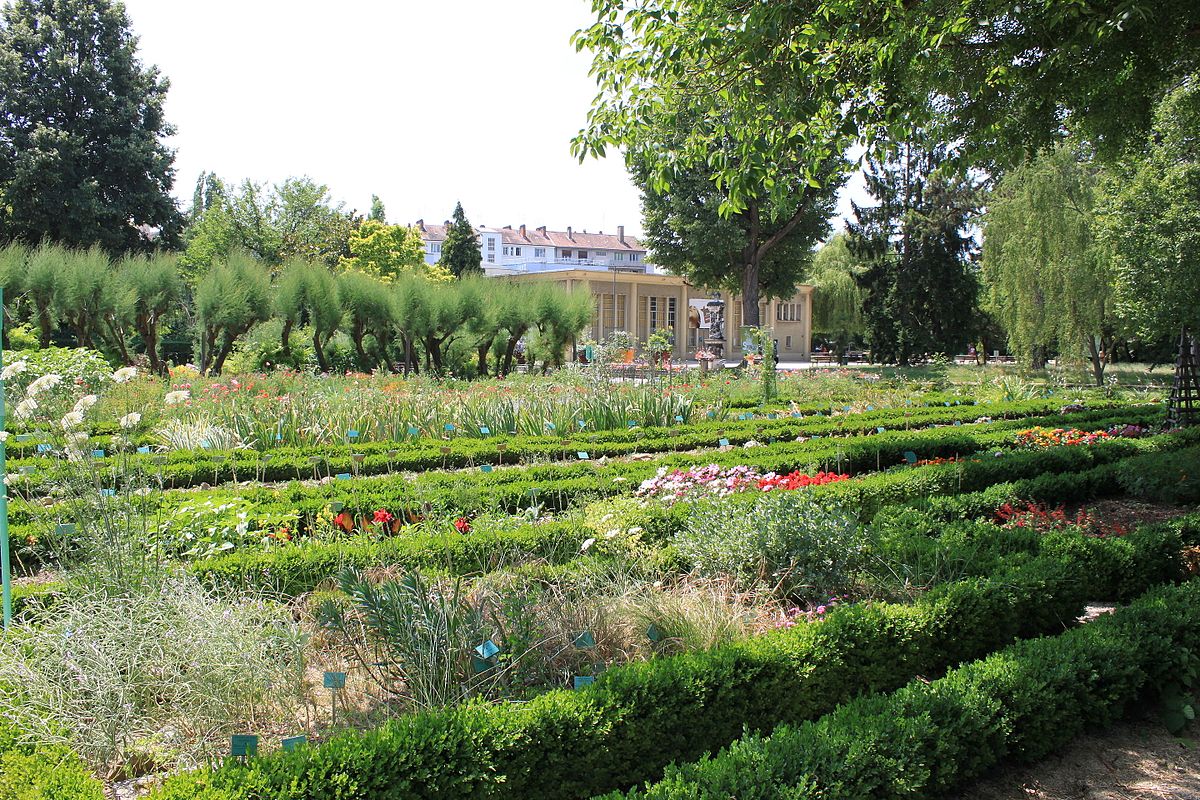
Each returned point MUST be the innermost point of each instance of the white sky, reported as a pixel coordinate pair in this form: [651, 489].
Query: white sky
[422, 103]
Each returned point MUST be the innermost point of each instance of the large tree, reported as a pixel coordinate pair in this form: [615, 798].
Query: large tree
[837, 297]
[920, 290]
[460, 250]
[788, 76]
[1046, 281]
[762, 246]
[82, 156]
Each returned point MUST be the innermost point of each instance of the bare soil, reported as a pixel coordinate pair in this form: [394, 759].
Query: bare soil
[1134, 760]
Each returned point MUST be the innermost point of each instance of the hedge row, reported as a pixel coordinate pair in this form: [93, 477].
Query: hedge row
[929, 739]
[640, 717]
[184, 469]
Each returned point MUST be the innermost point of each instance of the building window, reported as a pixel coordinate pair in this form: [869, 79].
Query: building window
[506, 251]
[491, 245]
[602, 306]
[491, 257]
[787, 343]
[539, 252]
[618, 256]
[787, 312]
[582, 255]
[566, 253]
[635, 256]
[655, 313]
[435, 247]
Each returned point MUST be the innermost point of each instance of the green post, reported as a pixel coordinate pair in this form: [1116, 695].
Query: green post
[5, 566]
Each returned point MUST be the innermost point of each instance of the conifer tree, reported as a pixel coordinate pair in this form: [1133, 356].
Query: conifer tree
[460, 251]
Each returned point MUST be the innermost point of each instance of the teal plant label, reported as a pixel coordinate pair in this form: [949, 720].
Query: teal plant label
[679, 417]
[583, 455]
[485, 430]
[352, 434]
[450, 426]
[581, 681]
[292, 742]
[585, 639]
[910, 456]
[479, 665]
[336, 507]
[335, 680]
[581, 423]
[414, 431]
[107, 492]
[97, 454]
[881, 429]
[485, 468]
[550, 426]
[45, 448]
[28, 470]
[243, 745]
[723, 443]
[65, 529]
[144, 450]
[653, 633]
[487, 649]
[343, 476]
[23, 437]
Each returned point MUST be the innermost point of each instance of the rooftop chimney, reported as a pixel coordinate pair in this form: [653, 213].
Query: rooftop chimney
[446, 223]
[421, 225]
[621, 234]
[541, 229]
[570, 233]
[523, 236]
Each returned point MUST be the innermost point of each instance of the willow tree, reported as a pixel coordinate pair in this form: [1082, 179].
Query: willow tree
[368, 311]
[232, 297]
[307, 294]
[153, 289]
[1046, 280]
[41, 284]
[837, 297]
[79, 296]
[1151, 226]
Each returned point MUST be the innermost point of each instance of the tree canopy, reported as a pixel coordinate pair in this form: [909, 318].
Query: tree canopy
[82, 156]
[461, 255]
[1046, 281]
[793, 76]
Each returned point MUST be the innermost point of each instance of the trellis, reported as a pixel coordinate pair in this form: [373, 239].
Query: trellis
[1183, 409]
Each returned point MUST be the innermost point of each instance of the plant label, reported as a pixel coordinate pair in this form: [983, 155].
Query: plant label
[550, 426]
[352, 434]
[581, 681]
[583, 455]
[144, 450]
[446, 451]
[65, 529]
[450, 427]
[343, 476]
[487, 649]
[27, 470]
[485, 431]
[335, 680]
[910, 456]
[679, 417]
[414, 431]
[107, 492]
[97, 454]
[485, 468]
[23, 437]
[723, 443]
[292, 742]
[243, 745]
[45, 448]
[654, 634]
[585, 639]
[881, 429]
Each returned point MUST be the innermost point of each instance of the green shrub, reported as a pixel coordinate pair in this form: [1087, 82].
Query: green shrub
[790, 542]
[931, 738]
[639, 717]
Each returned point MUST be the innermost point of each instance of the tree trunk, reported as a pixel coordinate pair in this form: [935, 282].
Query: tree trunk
[481, 352]
[509, 349]
[322, 364]
[116, 336]
[357, 332]
[44, 327]
[226, 349]
[285, 340]
[1098, 362]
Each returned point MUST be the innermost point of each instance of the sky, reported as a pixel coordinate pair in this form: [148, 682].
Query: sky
[422, 103]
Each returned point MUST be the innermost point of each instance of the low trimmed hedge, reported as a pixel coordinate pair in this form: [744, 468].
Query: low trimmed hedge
[49, 772]
[928, 739]
[640, 717]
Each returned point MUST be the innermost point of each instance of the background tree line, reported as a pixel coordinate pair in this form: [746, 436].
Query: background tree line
[145, 309]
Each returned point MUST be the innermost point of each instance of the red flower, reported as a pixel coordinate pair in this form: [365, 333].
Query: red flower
[344, 521]
[462, 525]
[383, 517]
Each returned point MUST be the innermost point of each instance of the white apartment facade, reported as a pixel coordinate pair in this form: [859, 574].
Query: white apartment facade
[511, 251]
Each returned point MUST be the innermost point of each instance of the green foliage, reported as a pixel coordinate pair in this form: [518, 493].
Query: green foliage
[83, 161]
[639, 717]
[837, 297]
[1046, 281]
[461, 255]
[761, 245]
[385, 251]
[378, 213]
[306, 294]
[931, 738]
[790, 542]
[230, 299]
[919, 290]
[1150, 221]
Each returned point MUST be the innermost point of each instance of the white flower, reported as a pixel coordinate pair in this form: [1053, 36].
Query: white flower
[25, 408]
[47, 381]
[15, 368]
[124, 374]
[85, 402]
[76, 438]
[177, 397]
[3, 436]
[71, 420]
[131, 419]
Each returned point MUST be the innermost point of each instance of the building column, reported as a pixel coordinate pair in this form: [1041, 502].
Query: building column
[807, 327]
[631, 310]
[681, 324]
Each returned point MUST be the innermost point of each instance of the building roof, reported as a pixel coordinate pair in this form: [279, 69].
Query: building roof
[540, 237]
